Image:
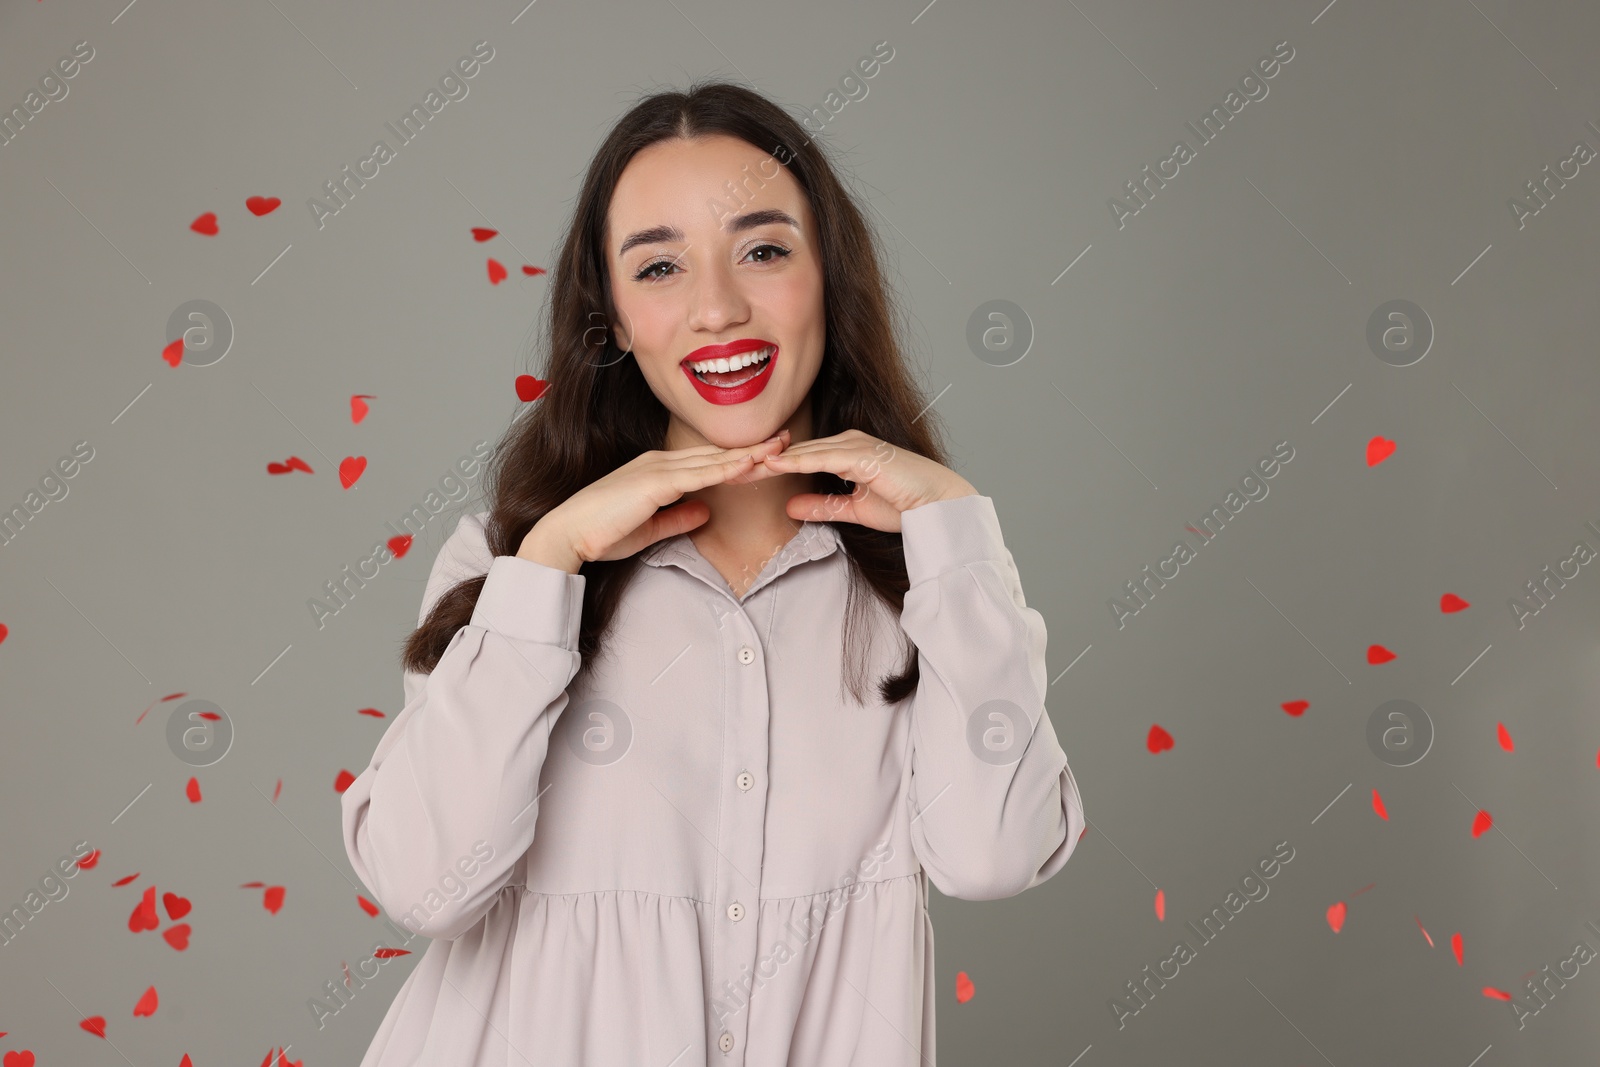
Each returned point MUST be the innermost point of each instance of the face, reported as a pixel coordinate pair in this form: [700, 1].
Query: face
[699, 273]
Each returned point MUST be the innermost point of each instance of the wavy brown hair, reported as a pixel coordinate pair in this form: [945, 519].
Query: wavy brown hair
[599, 413]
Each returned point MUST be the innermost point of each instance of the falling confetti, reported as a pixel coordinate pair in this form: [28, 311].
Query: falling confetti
[532, 270]
[1455, 946]
[481, 234]
[147, 1004]
[342, 782]
[95, 1024]
[1423, 929]
[1379, 449]
[367, 906]
[1336, 917]
[1450, 602]
[206, 224]
[1498, 994]
[1481, 822]
[1378, 654]
[497, 271]
[192, 791]
[1161, 905]
[374, 712]
[1296, 708]
[1377, 806]
[400, 544]
[173, 353]
[964, 987]
[262, 205]
[1158, 740]
[350, 470]
[1505, 737]
[358, 406]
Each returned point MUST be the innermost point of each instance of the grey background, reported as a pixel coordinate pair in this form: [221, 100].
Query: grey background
[1229, 315]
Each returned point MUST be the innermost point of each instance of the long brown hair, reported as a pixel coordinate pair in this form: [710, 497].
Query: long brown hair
[598, 412]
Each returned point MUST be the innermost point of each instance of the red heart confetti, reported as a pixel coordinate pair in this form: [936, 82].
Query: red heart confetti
[276, 790]
[497, 272]
[192, 791]
[173, 353]
[389, 953]
[147, 1004]
[1378, 654]
[262, 205]
[481, 234]
[1481, 822]
[18, 1059]
[530, 388]
[300, 465]
[1498, 994]
[1161, 905]
[350, 470]
[272, 899]
[1450, 602]
[1455, 946]
[964, 987]
[1379, 449]
[95, 1024]
[358, 406]
[177, 907]
[206, 224]
[1158, 740]
[1377, 806]
[374, 712]
[1336, 916]
[342, 782]
[5, 632]
[88, 862]
[124, 881]
[144, 916]
[1423, 929]
[1505, 737]
[532, 270]
[1296, 708]
[367, 906]
[400, 544]
[177, 936]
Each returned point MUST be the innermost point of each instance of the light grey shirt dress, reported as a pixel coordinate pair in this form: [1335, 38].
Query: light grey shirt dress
[697, 847]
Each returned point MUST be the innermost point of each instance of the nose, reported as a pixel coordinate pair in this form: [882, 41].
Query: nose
[715, 300]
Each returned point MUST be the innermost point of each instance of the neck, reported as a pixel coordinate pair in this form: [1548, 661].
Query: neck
[748, 518]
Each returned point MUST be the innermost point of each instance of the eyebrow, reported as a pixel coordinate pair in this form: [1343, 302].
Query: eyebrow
[737, 224]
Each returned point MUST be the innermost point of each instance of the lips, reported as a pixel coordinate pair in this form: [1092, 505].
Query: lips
[745, 390]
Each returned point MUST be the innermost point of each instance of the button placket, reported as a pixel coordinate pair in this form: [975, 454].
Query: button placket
[742, 823]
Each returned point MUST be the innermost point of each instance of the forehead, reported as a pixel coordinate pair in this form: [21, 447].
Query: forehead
[694, 185]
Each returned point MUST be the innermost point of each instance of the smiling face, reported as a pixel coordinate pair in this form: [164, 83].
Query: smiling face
[697, 274]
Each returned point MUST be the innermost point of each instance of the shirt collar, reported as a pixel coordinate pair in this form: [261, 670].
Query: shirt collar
[813, 540]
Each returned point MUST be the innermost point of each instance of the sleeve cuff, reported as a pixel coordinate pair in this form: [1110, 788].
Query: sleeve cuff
[948, 534]
[529, 601]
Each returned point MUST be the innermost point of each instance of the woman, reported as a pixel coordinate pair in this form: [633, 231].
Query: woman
[639, 795]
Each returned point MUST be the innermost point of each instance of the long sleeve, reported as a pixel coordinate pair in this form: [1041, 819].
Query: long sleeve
[456, 774]
[994, 806]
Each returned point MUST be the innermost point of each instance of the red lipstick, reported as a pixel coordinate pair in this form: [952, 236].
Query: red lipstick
[737, 394]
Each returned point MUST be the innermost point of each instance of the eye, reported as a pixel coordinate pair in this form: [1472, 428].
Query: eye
[645, 273]
[782, 252]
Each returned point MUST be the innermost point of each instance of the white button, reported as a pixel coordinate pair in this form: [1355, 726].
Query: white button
[745, 779]
[747, 654]
[725, 1042]
[736, 911]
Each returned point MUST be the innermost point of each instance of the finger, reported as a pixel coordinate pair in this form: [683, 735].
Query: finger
[834, 459]
[698, 455]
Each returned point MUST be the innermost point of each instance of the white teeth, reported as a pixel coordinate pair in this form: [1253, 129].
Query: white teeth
[744, 359]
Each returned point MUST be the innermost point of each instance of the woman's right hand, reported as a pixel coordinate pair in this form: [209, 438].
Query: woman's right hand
[618, 515]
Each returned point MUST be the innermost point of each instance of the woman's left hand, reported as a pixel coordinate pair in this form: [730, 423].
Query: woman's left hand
[888, 480]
